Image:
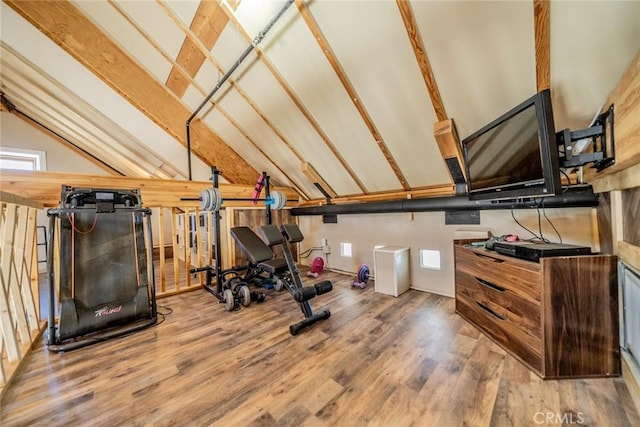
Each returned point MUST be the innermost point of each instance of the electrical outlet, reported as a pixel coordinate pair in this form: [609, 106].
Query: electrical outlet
[323, 241]
[326, 249]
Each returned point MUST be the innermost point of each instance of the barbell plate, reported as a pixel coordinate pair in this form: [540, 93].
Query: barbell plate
[279, 200]
[204, 199]
[217, 200]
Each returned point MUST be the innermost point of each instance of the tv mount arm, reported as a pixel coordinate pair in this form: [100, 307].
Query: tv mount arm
[603, 154]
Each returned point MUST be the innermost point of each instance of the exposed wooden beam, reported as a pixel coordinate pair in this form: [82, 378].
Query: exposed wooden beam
[68, 27]
[431, 191]
[190, 79]
[207, 25]
[205, 51]
[44, 187]
[285, 86]
[353, 95]
[315, 177]
[421, 56]
[541, 26]
[448, 142]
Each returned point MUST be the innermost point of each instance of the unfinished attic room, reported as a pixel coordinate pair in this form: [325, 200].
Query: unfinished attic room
[319, 213]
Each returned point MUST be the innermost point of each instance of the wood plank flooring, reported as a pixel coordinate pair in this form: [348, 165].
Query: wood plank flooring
[379, 361]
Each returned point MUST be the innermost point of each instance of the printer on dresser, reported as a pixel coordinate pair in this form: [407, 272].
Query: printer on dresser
[559, 316]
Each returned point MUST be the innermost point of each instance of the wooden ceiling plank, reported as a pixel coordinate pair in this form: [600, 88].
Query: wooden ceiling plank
[342, 76]
[296, 100]
[541, 26]
[68, 27]
[421, 56]
[207, 25]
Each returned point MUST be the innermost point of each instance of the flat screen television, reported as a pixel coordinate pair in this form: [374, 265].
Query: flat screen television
[516, 155]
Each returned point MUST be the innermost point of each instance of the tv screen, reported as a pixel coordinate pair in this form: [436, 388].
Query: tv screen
[515, 155]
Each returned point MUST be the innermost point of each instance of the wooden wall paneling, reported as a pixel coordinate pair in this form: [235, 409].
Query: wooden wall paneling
[631, 216]
[626, 98]
[603, 213]
[627, 178]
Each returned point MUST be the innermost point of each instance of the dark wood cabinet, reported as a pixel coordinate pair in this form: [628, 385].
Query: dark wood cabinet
[558, 316]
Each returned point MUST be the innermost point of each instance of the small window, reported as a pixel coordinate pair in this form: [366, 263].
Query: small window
[345, 249]
[430, 259]
[21, 159]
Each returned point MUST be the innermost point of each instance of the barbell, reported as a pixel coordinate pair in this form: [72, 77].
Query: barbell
[211, 200]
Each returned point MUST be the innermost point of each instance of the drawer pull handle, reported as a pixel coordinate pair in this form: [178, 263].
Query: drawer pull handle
[489, 257]
[490, 285]
[491, 312]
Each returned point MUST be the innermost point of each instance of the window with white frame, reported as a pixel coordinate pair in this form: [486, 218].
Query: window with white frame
[22, 159]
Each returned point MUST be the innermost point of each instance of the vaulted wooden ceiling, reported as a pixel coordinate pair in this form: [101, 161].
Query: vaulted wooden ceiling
[344, 93]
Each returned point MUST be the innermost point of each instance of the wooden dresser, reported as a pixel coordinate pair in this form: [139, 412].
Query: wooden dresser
[558, 316]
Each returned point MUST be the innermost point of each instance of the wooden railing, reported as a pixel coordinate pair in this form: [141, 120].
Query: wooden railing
[24, 193]
[20, 323]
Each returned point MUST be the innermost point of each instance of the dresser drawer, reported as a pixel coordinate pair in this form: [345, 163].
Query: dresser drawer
[518, 276]
[522, 313]
[504, 332]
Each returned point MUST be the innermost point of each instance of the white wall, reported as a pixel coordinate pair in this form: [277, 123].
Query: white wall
[427, 230]
[18, 133]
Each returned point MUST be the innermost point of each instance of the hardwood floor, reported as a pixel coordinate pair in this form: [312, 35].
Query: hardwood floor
[378, 360]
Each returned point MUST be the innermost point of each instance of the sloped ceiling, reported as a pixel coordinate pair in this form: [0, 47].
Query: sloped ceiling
[341, 92]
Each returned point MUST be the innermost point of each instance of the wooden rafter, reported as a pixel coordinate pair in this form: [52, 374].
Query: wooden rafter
[431, 191]
[541, 26]
[190, 80]
[316, 178]
[203, 49]
[305, 112]
[342, 76]
[207, 25]
[421, 56]
[68, 27]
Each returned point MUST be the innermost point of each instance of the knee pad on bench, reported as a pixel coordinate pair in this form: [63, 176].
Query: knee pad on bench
[309, 292]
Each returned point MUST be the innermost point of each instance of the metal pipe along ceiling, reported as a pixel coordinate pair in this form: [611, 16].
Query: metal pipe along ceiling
[573, 197]
[256, 41]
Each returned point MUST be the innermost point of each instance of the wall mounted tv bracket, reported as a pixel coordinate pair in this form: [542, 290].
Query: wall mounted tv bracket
[602, 154]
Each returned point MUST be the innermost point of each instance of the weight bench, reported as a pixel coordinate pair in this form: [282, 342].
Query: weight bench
[300, 293]
[262, 259]
[260, 256]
